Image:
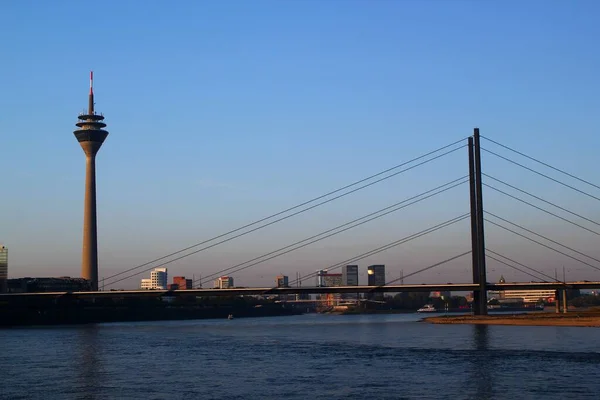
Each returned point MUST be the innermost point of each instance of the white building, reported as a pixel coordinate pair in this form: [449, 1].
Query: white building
[158, 276]
[224, 282]
[146, 284]
[158, 280]
[529, 296]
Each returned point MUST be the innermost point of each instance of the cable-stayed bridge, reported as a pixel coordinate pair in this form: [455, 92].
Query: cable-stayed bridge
[478, 255]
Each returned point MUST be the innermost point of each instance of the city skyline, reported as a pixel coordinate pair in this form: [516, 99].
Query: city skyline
[271, 130]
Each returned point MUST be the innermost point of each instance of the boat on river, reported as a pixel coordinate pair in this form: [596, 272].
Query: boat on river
[427, 308]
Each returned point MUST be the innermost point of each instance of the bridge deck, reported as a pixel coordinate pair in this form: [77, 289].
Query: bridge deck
[456, 287]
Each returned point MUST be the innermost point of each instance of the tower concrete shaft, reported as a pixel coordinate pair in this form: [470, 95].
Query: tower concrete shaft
[90, 135]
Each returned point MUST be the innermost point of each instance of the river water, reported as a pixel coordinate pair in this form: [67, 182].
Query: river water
[299, 357]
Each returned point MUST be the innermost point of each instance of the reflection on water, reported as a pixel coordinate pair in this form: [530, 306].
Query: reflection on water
[87, 360]
[482, 369]
[311, 356]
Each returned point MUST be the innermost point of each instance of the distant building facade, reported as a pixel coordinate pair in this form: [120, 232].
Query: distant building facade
[326, 279]
[350, 278]
[157, 281]
[181, 283]
[350, 275]
[282, 281]
[529, 296]
[159, 278]
[376, 277]
[224, 282]
[524, 296]
[37, 285]
[3, 269]
[146, 284]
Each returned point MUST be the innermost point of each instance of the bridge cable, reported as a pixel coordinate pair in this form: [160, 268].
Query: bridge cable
[375, 251]
[387, 246]
[542, 244]
[522, 265]
[513, 267]
[542, 209]
[543, 163]
[390, 209]
[395, 207]
[541, 199]
[543, 237]
[300, 205]
[542, 174]
[428, 268]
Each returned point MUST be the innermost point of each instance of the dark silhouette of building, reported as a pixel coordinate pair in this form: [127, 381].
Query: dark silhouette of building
[350, 278]
[376, 277]
[3, 268]
[90, 136]
[36, 285]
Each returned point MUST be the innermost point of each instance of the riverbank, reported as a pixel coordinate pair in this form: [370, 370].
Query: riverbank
[580, 318]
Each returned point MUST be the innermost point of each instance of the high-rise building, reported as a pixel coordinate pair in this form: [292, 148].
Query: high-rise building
[3, 269]
[182, 283]
[158, 280]
[350, 278]
[224, 282]
[158, 276]
[376, 277]
[282, 281]
[350, 275]
[90, 135]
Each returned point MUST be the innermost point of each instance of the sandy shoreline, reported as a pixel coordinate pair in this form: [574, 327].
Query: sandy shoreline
[582, 319]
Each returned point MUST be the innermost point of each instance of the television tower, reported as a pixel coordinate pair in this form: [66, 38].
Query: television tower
[90, 136]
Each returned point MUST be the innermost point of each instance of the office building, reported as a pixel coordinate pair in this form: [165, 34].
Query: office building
[158, 280]
[3, 269]
[38, 285]
[529, 296]
[224, 282]
[376, 277]
[326, 279]
[181, 283]
[146, 284]
[158, 276]
[522, 296]
[90, 135]
[350, 278]
[350, 275]
[282, 281]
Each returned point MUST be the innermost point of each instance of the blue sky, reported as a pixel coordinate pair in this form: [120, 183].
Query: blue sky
[221, 113]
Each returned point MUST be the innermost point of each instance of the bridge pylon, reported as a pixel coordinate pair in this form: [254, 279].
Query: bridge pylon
[477, 225]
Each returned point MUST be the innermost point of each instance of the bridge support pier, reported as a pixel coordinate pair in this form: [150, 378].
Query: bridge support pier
[564, 301]
[557, 301]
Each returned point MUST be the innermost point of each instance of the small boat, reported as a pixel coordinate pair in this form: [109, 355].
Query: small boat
[230, 316]
[427, 308]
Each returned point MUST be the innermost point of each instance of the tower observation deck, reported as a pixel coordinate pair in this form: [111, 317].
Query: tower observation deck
[90, 135]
